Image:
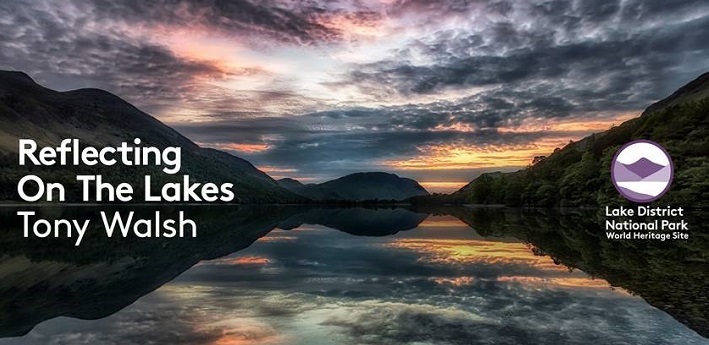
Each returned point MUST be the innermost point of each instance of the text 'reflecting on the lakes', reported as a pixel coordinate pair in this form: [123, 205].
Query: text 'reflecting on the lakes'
[69, 152]
[94, 188]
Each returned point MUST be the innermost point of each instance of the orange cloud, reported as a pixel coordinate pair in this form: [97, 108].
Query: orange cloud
[454, 156]
[248, 148]
[354, 26]
[588, 125]
[577, 282]
[274, 169]
[245, 260]
[277, 238]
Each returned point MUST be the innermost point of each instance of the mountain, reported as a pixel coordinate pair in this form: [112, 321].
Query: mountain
[290, 184]
[358, 187]
[579, 174]
[99, 118]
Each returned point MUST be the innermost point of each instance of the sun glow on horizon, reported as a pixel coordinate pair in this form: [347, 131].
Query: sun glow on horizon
[380, 55]
[454, 156]
[256, 79]
[443, 186]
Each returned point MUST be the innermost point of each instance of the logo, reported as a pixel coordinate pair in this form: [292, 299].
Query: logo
[642, 171]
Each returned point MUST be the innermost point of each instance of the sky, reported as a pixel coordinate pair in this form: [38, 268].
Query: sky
[440, 283]
[436, 90]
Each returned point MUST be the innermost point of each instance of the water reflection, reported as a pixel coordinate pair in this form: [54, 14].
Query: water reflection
[671, 275]
[433, 280]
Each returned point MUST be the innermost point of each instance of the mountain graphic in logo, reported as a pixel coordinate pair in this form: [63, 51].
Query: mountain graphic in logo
[642, 171]
[644, 167]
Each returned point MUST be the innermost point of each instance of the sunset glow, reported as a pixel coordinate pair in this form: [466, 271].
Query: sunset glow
[438, 92]
[443, 187]
[452, 156]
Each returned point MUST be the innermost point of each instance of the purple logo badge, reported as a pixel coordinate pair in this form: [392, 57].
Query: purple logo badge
[642, 171]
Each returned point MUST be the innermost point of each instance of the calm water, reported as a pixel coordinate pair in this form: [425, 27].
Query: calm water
[355, 276]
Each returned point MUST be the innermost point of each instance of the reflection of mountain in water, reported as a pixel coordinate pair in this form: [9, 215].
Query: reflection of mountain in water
[671, 276]
[358, 221]
[41, 279]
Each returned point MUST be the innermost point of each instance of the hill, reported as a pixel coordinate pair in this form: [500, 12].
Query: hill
[579, 174]
[98, 118]
[358, 187]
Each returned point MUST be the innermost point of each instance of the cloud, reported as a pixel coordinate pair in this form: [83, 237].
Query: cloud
[156, 318]
[401, 323]
[121, 47]
[289, 21]
[66, 48]
[344, 141]
[619, 64]
[322, 89]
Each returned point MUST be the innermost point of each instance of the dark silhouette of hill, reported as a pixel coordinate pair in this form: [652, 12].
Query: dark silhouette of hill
[358, 187]
[99, 118]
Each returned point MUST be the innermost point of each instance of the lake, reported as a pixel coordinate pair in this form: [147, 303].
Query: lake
[328, 275]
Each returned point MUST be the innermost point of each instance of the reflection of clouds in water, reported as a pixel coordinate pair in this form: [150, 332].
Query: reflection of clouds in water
[242, 260]
[458, 252]
[477, 313]
[442, 286]
[391, 323]
[160, 319]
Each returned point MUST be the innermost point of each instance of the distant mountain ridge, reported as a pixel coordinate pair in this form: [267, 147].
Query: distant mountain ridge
[358, 187]
[99, 118]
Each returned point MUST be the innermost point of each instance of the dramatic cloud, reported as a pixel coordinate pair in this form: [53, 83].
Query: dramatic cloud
[394, 139]
[606, 59]
[287, 21]
[128, 49]
[315, 89]
[64, 50]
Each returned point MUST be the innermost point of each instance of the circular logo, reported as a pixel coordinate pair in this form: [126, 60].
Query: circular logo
[642, 171]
